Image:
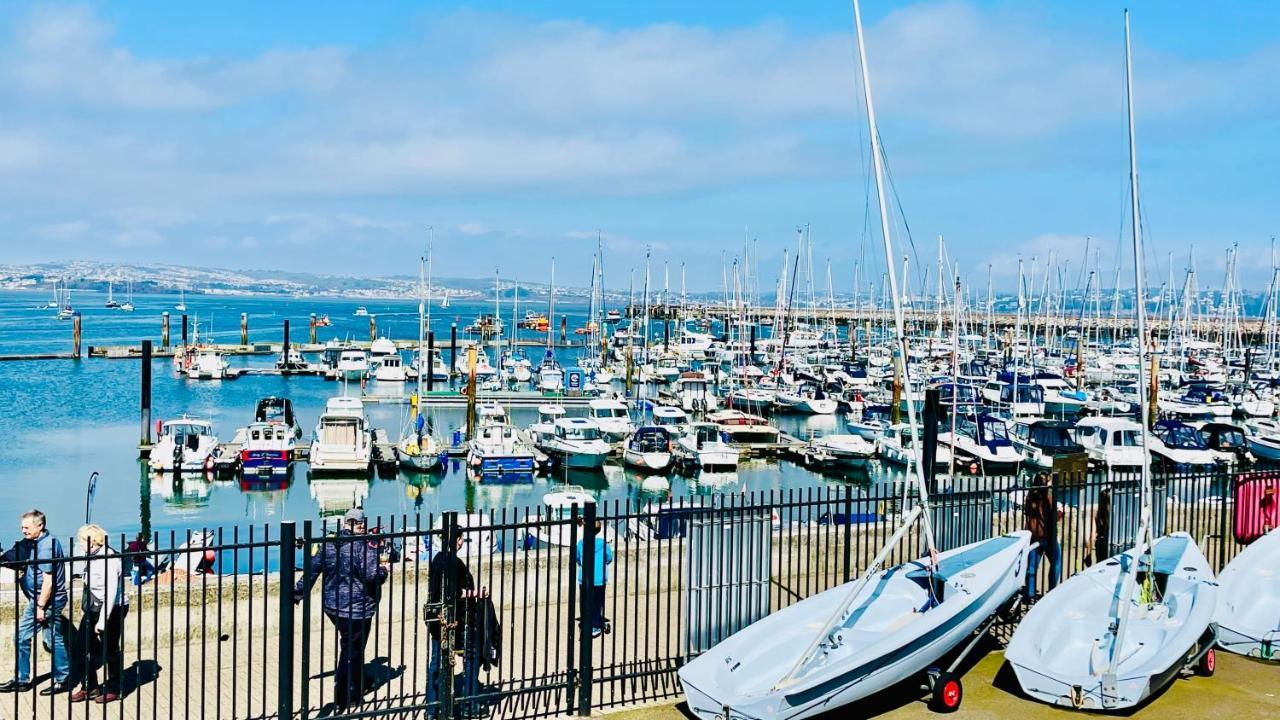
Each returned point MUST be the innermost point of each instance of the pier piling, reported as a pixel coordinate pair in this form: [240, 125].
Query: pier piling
[164, 329]
[564, 329]
[145, 440]
[244, 328]
[285, 365]
[666, 335]
[430, 361]
[453, 348]
[471, 393]
[184, 330]
[313, 329]
[76, 333]
[373, 328]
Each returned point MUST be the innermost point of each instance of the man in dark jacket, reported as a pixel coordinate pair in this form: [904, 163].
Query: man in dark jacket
[450, 587]
[353, 576]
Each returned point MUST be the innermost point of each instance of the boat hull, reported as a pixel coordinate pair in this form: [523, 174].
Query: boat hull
[884, 639]
[1060, 652]
[1248, 614]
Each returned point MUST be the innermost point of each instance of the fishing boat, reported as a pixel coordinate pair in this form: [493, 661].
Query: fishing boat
[648, 449]
[186, 444]
[342, 441]
[703, 447]
[575, 443]
[266, 449]
[1248, 614]
[1114, 635]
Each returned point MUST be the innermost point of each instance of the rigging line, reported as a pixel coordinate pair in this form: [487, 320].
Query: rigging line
[902, 213]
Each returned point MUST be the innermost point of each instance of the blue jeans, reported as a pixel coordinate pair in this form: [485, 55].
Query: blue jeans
[1052, 553]
[470, 681]
[54, 636]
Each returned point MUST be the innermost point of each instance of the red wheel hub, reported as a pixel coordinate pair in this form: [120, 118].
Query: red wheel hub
[951, 693]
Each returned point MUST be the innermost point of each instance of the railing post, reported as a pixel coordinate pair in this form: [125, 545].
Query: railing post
[444, 680]
[1224, 510]
[848, 533]
[305, 671]
[575, 611]
[586, 616]
[288, 566]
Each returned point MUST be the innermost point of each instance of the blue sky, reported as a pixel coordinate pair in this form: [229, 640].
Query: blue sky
[326, 136]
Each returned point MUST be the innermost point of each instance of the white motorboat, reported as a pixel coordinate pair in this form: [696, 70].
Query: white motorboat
[703, 446]
[353, 364]
[207, 364]
[1042, 441]
[751, 398]
[554, 527]
[484, 369]
[846, 449]
[883, 630]
[1264, 439]
[1065, 651]
[1248, 614]
[439, 371]
[342, 441]
[361, 311]
[499, 450]
[984, 438]
[692, 393]
[672, 418]
[1112, 442]
[744, 428]
[806, 398]
[390, 369]
[186, 444]
[611, 417]
[897, 446]
[1176, 445]
[575, 443]
[648, 449]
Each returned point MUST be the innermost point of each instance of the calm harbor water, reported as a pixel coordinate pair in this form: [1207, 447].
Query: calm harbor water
[65, 420]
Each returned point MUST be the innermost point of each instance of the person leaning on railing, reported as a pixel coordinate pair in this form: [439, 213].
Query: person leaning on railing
[39, 559]
[102, 624]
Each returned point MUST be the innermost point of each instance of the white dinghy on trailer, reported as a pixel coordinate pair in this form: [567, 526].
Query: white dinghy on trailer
[1249, 600]
[890, 624]
[1112, 636]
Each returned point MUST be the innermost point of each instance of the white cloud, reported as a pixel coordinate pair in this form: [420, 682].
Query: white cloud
[63, 231]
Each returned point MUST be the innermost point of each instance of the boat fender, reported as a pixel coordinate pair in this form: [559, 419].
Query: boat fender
[159, 425]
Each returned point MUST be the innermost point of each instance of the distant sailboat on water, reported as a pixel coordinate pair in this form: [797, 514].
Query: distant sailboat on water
[112, 303]
[182, 300]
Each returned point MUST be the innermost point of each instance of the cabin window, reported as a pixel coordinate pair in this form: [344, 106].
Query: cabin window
[256, 435]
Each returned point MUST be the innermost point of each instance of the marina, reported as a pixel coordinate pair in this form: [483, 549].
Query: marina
[757, 491]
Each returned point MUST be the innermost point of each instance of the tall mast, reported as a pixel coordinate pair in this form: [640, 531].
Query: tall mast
[1144, 537]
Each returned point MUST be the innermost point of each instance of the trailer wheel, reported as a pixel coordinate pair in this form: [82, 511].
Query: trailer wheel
[947, 693]
[1207, 664]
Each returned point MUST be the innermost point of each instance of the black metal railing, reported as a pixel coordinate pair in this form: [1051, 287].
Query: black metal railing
[215, 629]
